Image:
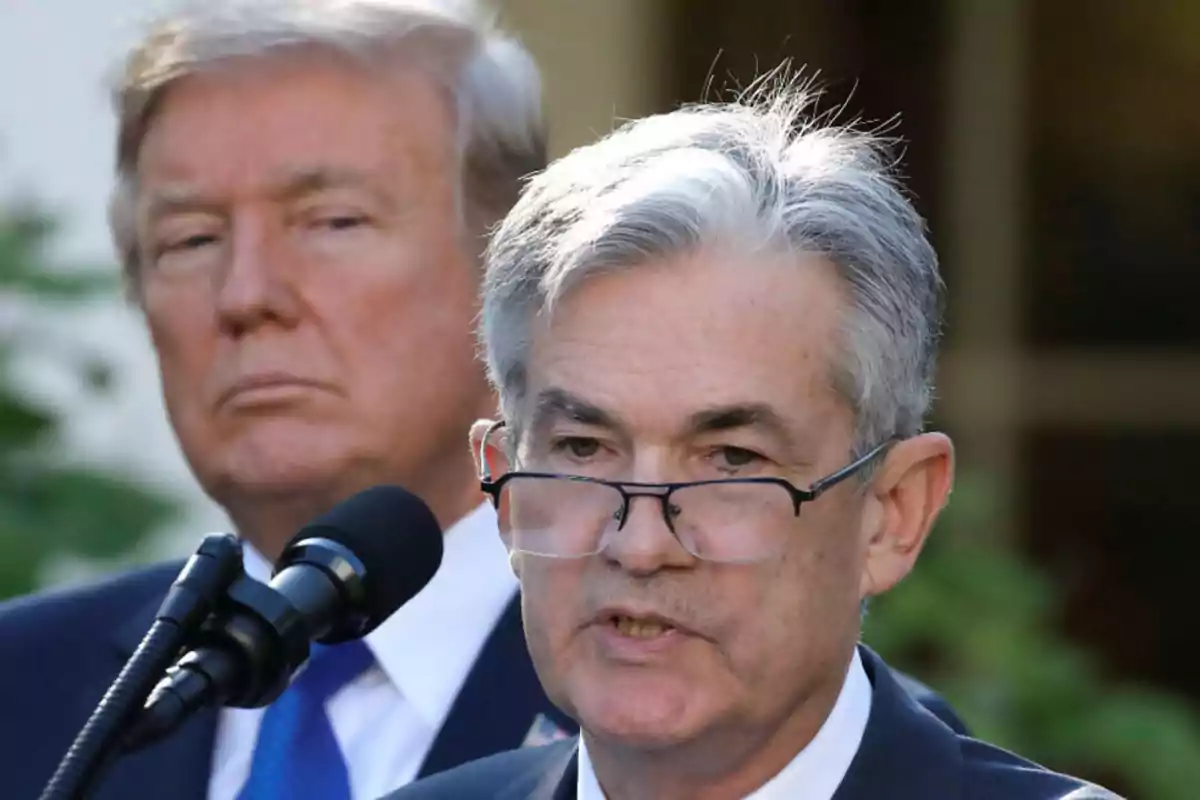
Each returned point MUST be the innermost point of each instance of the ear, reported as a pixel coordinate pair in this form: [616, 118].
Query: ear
[492, 460]
[492, 450]
[908, 493]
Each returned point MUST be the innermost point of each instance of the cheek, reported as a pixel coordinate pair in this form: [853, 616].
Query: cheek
[790, 615]
[837, 559]
[761, 617]
[185, 340]
[551, 619]
[813, 600]
[408, 327]
[548, 596]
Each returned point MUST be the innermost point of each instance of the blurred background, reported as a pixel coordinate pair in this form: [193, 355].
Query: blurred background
[1054, 147]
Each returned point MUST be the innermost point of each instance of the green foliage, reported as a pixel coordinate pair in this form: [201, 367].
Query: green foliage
[24, 234]
[977, 622]
[49, 506]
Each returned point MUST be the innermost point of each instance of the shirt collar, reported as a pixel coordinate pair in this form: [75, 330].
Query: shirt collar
[817, 770]
[429, 645]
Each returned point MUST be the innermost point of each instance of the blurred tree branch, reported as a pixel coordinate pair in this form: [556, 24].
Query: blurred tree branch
[50, 506]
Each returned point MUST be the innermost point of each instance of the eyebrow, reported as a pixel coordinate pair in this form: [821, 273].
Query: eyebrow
[174, 198]
[300, 182]
[736, 416]
[286, 185]
[554, 404]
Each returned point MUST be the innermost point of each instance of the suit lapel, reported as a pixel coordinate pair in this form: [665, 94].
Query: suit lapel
[906, 752]
[177, 767]
[501, 706]
[550, 775]
[568, 778]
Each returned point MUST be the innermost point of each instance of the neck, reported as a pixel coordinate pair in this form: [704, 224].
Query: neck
[722, 765]
[270, 519]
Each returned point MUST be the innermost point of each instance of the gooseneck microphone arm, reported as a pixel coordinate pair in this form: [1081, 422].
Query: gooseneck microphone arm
[203, 580]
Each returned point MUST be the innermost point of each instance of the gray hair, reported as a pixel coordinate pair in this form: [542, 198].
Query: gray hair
[761, 173]
[493, 83]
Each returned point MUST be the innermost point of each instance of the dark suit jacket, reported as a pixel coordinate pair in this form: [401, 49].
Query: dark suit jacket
[906, 754]
[62, 650]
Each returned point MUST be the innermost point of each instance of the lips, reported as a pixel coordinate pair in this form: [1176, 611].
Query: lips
[640, 623]
[264, 381]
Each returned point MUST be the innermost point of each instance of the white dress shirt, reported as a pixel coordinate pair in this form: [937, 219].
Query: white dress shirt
[817, 770]
[386, 720]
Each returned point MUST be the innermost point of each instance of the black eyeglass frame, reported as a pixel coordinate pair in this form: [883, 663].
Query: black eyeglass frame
[663, 491]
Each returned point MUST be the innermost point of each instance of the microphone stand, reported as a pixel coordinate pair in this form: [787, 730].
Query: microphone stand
[216, 564]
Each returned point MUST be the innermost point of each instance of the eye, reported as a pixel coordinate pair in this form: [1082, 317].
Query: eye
[331, 216]
[580, 448]
[731, 458]
[193, 242]
[182, 238]
[174, 251]
[342, 222]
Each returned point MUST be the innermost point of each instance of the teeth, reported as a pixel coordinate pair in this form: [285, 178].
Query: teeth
[637, 629]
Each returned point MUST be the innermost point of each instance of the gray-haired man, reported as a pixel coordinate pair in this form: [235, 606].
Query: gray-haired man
[714, 334]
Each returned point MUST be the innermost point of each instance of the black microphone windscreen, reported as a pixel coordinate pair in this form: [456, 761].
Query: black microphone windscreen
[394, 535]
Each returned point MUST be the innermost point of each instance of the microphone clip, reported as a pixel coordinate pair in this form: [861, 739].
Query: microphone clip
[242, 656]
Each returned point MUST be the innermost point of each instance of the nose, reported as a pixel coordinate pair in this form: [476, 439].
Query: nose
[640, 541]
[256, 286]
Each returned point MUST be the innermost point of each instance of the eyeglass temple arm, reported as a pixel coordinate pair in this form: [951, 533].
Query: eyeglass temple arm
[845, 472]
[485, 469]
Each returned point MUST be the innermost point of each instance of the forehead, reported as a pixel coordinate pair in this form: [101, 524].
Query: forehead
[658, 342]
[238, 125]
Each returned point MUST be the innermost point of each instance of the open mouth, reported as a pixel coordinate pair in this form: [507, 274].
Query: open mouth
[637, 628]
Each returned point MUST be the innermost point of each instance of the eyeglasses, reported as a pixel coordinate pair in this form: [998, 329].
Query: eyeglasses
[730, 520]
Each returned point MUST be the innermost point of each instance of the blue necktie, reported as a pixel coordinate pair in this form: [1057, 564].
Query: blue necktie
[296, 756]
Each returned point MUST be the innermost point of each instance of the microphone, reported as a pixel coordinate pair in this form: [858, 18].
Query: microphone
[338, 579]
[192, 597]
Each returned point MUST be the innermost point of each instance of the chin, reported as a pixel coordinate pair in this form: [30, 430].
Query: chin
[644, 712]
[275, 465]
